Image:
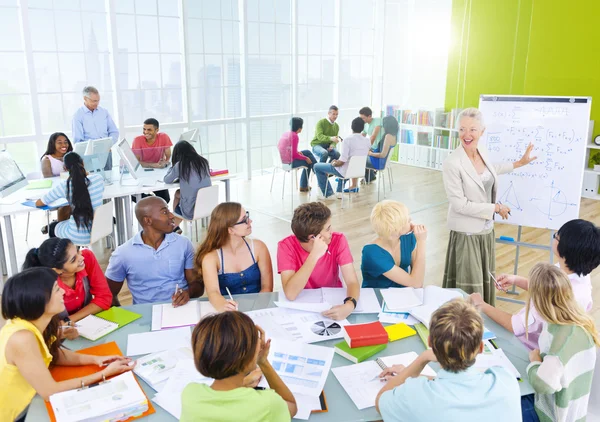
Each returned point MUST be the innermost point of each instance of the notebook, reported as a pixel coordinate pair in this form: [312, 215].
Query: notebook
[357, 354]
[156, 368]
[186, 315]
[56, 204]
[93, 327]
[39, 184]
[399, 331]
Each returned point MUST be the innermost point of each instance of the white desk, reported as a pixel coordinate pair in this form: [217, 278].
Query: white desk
[119, 191]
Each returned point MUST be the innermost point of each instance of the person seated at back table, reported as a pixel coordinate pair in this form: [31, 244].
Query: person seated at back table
[289, 154]
[354, 145]
[226, 259]
[326, 136]
[226, 347]
[84, 193]
[459, 392]
[313, 257]
[79, 275]
[157, 263]
[31, 303]
[576, 246]
[396, 258]
[153, 150]
[193, 173]
[53, 165]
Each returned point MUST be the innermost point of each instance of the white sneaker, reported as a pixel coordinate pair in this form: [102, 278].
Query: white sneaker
[338, 195]
[322, 197]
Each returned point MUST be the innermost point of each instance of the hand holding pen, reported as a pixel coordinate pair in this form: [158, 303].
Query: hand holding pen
[230, 305]
[498, 285]
[503, 210]
[180, 297]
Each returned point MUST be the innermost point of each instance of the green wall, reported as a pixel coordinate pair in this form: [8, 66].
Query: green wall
[524, 47]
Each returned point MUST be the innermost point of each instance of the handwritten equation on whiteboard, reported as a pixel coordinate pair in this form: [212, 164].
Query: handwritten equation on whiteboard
[547, 191]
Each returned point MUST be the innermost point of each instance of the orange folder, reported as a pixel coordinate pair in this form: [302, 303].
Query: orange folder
[62, 373]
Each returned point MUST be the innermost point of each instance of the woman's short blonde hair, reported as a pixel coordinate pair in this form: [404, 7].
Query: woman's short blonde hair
[388, 217]
[473, 113]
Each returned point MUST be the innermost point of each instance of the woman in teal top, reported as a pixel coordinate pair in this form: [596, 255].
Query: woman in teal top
[396, 258]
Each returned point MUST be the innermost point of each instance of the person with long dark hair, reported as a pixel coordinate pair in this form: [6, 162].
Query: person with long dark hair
[84, 194]
[379, 154]
[31, 303]
[79, 275]
[193, 173]
[52, 161]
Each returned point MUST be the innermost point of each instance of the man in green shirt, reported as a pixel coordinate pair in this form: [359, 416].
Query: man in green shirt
[326, 137]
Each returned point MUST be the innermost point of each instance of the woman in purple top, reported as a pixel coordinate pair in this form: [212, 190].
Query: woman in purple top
[288, 151]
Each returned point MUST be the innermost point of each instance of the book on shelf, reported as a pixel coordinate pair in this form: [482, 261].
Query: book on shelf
[407, 136]
[423, 139]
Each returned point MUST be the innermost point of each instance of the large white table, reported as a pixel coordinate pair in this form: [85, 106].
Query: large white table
[120, 190]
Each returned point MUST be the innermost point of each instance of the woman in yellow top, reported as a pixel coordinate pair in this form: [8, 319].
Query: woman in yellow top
[31, 303]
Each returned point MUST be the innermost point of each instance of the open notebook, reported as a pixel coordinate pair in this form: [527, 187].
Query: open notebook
[420, 303]
[93, 327]
[167, 316]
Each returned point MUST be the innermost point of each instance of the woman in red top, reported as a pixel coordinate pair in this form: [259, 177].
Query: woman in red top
[79, 275]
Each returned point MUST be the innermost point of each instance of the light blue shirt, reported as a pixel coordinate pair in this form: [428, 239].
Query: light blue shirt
[470, 395]
[88, 125]
[152, 273]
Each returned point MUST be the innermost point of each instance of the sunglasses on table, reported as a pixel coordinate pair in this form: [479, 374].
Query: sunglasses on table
[244, 220]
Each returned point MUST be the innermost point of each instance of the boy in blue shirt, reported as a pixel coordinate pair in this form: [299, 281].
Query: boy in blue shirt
[459, 392]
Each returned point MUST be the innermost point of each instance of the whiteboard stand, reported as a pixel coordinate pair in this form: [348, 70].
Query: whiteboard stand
[518, 245]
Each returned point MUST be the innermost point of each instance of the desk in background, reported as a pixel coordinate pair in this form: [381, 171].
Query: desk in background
[341, 407]
[119, 191]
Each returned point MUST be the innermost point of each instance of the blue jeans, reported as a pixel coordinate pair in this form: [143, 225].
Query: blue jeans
[321, 171]
[528, 409]
[305, 172]
[324, 153]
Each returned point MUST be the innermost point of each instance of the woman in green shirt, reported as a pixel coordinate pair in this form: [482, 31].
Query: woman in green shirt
[228, 346]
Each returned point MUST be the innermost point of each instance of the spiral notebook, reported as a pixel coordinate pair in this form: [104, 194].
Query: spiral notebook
[93, 327]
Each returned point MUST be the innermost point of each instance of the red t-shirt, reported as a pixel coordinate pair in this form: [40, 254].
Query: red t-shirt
[151, 153]
[101, 294]
[291, 256]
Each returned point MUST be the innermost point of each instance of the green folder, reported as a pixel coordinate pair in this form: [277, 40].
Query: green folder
[39, 184]
[423, 332]
[118, 316]
[357, 354]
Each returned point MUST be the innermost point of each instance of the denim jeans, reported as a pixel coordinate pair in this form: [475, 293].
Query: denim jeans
[321, 171]
[528, 409]
[305, 172]
[324, 153]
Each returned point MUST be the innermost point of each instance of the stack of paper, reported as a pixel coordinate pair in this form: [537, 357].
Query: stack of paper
[319, 300]
[494, 356]
[93, 327]
[420, 303]
[361, 381]
[157, 341]
[168, 316]
[156, 368]
[116, 399]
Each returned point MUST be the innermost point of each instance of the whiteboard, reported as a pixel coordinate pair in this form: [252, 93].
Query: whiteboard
[547, 192]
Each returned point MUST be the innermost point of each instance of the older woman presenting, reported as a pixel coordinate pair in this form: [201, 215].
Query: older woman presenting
[471, 182]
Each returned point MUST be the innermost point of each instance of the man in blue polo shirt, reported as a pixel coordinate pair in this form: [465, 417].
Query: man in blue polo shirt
[459, 392]
[157, 263]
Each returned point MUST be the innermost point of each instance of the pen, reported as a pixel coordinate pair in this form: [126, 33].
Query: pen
[176, 289]
[230, 297]
[496, 282]
[501, 204]
[64, 327]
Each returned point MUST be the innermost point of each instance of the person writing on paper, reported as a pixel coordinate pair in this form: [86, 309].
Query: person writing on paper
[576, 246]
[226, 347]
[455, 338]
[32, 301]
[84, 193]
[471, 182]
[53, 159]
[562, 369]
[396, 258]
[157, 263]
[153, 150]
[326, 137]
[313, 257]
[226, 259]
[193, 172]
[80, 277]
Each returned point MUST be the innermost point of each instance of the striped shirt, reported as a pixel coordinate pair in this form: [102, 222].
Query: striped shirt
[68, 229]
[562, 381]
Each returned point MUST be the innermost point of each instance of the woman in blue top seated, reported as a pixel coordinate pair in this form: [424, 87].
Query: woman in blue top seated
[379, 155]
[226, 259]
[396, 258]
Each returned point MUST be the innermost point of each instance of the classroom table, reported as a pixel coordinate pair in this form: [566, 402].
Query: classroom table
[341, 407]
[120, 191]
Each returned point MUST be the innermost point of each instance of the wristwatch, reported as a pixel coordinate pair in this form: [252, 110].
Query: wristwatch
[349, 298]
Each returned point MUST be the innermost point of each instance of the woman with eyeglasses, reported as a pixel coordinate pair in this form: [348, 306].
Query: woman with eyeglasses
[84, 193]
[79, 275]
[228, 262]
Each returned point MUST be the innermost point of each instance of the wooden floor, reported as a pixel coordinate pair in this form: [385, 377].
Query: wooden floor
[420, 189]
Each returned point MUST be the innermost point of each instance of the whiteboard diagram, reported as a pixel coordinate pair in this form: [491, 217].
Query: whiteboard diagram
[546, 193]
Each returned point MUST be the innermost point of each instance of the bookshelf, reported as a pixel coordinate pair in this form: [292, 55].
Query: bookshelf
[426, 137]
[591, 177]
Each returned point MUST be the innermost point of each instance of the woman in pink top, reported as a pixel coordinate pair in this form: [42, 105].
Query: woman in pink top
[314, 255]
[288, 151]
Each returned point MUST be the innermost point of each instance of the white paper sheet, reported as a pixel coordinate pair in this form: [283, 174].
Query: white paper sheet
[361, 382]
[166, 316]
[395, 318]
[494, 357]
[401, 300]
[302, 367]
[156, 368]
[157, 341]
[320, 300]
[294, 325]
[306, 404]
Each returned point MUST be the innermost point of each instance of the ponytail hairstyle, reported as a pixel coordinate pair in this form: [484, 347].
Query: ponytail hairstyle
[80, 200]
[189, 160]
[26, 295]
[52, 253]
